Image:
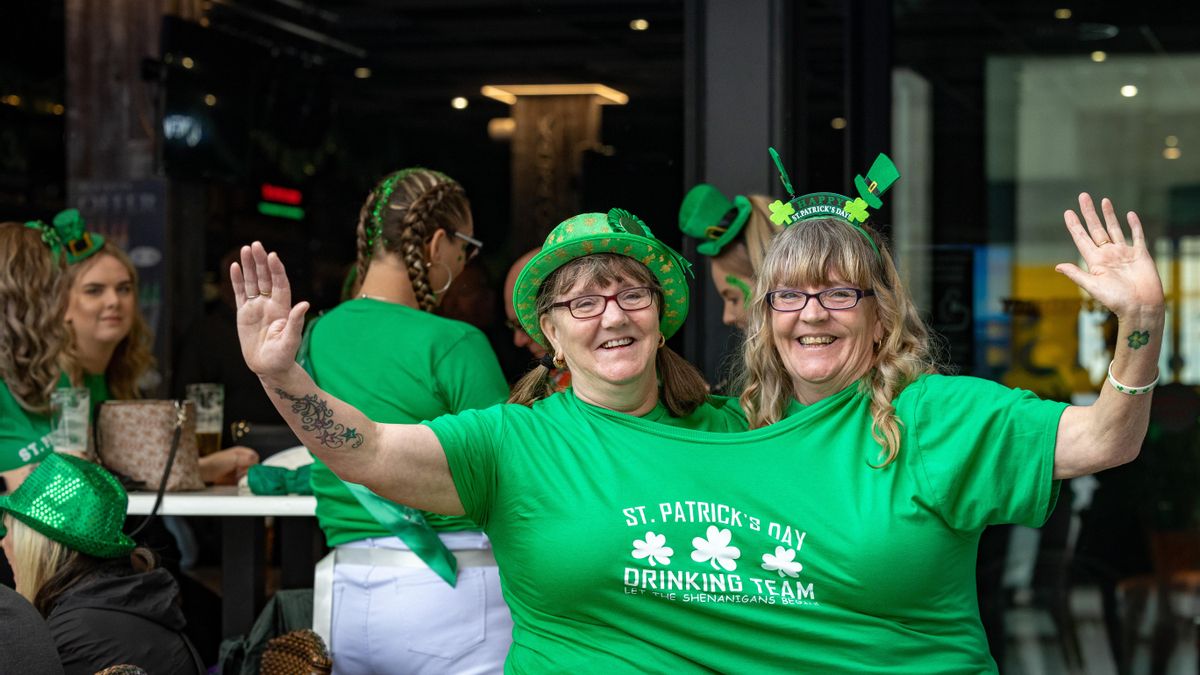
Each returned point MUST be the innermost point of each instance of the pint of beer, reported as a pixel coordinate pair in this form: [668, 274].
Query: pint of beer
[209, 399]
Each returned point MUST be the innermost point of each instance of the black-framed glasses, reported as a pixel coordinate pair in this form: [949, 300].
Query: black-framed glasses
[589, 306]
[474, 246]
[792, 300]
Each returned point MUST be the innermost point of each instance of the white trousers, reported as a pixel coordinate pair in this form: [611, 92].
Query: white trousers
[406, 620]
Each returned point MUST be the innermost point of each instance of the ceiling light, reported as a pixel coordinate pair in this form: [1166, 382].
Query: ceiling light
[1172, 153]
[1171, 141]
[58, 109]
[362, 72]
[1129, 91]
[459, 102]
[1099, 56]
[1062, 13]
[204, 21]
[187, 62]
[838, 123]
[210, 100]
[639, 24]
[501, 128]
[508, 93]
[11, 99]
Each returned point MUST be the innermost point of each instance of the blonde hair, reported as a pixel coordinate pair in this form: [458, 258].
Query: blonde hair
[36, 557]
[420, 203]
[133, 355]
[745, 254]
[809, 253]
[682, 386]
[33, 299]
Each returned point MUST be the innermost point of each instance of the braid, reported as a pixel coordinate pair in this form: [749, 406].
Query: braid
[416, 226]
[365, 252]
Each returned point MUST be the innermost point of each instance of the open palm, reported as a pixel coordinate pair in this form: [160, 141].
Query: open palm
[1120, 274]
[269, 327]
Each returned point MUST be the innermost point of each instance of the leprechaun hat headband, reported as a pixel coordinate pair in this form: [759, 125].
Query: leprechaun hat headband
[74, 502]
[880, 177]
[619, 232]
[713, 218]
[68, 235]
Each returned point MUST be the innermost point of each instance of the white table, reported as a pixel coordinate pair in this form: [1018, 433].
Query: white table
[243, 554]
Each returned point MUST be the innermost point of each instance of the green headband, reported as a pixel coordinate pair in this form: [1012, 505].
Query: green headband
[880, 177]
[619, 232]
[68, 236]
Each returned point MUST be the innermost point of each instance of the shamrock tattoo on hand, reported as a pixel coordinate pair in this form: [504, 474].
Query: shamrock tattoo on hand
[1138, 339]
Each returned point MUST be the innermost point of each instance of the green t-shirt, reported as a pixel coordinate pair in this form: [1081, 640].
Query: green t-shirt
[25, 436]
[397, 365]
[626, 546]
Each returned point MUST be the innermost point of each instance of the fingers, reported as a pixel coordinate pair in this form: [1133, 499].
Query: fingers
[1083, 240]
[249, 274]
[295, 322]
[239, 289]
[1095, 228]
[1135, 229]
[281, 289]
[1082, 279]
[1112, 226]
[262, 269]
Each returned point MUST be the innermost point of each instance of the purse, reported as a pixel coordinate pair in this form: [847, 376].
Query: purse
[300, 652]
[135, 439]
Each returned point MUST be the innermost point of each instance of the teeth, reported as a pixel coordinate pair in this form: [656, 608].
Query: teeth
[617, 343]
[816, 340]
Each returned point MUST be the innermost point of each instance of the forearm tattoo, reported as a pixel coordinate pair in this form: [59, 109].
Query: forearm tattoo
[1138, 339]
[317, 418]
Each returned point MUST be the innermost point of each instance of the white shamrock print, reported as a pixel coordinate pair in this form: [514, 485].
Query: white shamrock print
[784, 562]
[653, 550]
[715, 550]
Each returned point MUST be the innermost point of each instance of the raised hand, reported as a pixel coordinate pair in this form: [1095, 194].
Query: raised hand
[269, 327]
[1120, 274]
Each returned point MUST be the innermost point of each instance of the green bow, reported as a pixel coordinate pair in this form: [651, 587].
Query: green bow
[277, 480]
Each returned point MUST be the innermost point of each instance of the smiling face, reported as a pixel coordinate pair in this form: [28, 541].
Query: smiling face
[613, 351]
[103, 301]
[823, 350]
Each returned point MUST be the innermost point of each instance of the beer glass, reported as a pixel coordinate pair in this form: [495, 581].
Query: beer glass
[70, 412]
[209, 400]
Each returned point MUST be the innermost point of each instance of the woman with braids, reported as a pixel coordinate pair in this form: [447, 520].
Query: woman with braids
[385, 351]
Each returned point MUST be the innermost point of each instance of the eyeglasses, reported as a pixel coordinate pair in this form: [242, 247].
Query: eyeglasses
[792, 300]
[474, 246]
[588, 306]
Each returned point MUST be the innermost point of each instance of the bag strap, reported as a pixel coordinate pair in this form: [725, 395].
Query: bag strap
[180, 416]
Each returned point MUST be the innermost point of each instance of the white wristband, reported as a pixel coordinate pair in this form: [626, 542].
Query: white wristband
[1126, 389]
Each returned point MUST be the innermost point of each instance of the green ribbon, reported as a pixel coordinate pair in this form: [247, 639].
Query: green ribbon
[403, 522]
[278, 480]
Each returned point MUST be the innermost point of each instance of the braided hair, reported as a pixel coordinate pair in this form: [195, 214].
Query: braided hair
[402, 213]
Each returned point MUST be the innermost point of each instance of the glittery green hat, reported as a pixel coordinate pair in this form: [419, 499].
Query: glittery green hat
[711, 217]
[74, 502]
[617, 231]
[68, 234]
[882, 175]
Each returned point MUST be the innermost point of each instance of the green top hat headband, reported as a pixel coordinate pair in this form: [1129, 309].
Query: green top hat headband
[68, 235]
[74, 502]
[711, 217]
[619, 232]
[880, 177]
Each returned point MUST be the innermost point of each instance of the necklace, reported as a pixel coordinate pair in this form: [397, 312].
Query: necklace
[379, 298]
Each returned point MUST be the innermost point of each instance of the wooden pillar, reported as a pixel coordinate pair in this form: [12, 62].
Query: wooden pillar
[551, 135]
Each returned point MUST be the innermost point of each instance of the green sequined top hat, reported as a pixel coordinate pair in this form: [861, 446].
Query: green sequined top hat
[68, 234]
[74, 502]
[617, 231]
[880, 177]
[713, 218]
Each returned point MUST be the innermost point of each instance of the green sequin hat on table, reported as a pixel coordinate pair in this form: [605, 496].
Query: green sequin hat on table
[619, 232]
[713, 218]
[68, 235]
[74, 502]
[880, 177]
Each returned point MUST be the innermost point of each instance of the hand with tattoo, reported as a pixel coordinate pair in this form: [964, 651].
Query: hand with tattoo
[269, 327]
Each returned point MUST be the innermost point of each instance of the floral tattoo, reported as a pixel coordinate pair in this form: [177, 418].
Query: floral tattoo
[1138, 339]
[316, 417]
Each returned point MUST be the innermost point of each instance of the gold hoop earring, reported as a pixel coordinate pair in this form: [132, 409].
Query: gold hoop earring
[449, 275]
[662, 340]
[559, 361]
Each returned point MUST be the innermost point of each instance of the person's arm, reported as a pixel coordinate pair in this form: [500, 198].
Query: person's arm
[402, 462]
[1122, 276]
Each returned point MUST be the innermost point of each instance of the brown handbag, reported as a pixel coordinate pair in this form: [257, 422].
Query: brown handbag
[134, 439]
[300, 652]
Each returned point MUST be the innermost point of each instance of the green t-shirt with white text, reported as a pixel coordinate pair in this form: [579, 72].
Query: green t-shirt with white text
[627, 546]
[24, 435]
